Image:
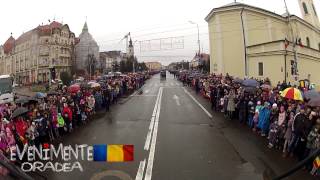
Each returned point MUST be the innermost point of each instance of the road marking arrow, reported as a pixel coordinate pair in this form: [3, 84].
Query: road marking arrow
[176, 98]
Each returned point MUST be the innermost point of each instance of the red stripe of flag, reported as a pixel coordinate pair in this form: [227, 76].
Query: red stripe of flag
[315, 164]
[128, 152]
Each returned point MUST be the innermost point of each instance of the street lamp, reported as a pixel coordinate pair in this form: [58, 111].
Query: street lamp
[191, 22]
[133, 68]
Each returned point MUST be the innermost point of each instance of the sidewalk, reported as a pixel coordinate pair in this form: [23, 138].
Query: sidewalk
[251, 147]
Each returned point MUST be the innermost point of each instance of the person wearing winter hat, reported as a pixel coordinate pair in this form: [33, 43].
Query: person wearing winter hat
[274, 113]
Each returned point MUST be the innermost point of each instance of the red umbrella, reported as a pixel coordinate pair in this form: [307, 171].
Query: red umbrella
[74, 88]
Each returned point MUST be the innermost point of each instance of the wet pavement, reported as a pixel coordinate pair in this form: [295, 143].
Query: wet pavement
[175, 136]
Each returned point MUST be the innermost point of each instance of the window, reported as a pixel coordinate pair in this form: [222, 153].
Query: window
[314, 10]
[305, 8]
[260, 68]
[308, 42]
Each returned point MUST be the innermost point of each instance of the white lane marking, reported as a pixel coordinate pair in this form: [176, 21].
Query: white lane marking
[148, 95]
[140, 172]
[171, 84]
[176, 98]
[148, 174]
[177, 84]
[146, 91]
[156, 104]
[148, 140]
[197, 102]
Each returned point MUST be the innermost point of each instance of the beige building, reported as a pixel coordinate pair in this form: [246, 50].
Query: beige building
[111, 60]
[153, 66]
[29, 57]
[247, 41]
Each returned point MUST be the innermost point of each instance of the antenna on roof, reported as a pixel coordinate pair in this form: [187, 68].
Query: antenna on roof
[11, 33]
[285, 4]
[54, 17]
[49, 20]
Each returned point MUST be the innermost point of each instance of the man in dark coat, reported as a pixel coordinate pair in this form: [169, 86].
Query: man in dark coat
[107, 96]
[213, 98]
[197, 85]
[242, 107]
[298, 140]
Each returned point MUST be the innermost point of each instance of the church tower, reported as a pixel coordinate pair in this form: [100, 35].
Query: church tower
[309, 12]
[85, 27]
[130, 49]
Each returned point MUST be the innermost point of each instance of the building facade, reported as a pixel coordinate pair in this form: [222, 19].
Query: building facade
[153, 66]
[111, 60]
[87, 52]
[30, 57]
[247, 41]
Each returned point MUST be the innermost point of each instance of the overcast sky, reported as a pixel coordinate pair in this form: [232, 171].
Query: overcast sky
[110, 20]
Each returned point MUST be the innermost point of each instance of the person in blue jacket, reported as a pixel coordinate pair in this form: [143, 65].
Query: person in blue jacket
[264, 119]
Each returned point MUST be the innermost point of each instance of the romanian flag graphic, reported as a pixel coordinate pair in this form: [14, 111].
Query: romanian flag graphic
[113, 153]
[316, 162]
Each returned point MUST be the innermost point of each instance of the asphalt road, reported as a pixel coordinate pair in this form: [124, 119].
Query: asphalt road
[176, 137]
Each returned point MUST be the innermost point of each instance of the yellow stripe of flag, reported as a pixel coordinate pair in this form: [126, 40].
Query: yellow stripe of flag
[115, 153]
[318, 161]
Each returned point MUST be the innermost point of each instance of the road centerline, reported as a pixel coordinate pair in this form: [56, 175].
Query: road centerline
[148, 174]
[151, 130]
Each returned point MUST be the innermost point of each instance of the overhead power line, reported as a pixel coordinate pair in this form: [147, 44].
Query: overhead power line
[187, 28]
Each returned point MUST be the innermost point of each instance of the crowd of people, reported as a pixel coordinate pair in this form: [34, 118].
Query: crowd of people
[288, 125]
[48, 118]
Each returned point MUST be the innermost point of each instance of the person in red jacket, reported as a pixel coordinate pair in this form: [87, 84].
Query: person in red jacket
[67, 116]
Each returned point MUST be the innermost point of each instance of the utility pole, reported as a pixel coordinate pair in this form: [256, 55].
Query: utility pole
[244, 45]
[191, 22]
[295, 64]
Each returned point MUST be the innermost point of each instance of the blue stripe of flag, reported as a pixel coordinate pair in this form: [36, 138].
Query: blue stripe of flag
[100, 152]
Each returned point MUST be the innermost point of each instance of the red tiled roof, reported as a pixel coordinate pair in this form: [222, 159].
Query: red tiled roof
[46, 29]
[8, 45]
[55, 24]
